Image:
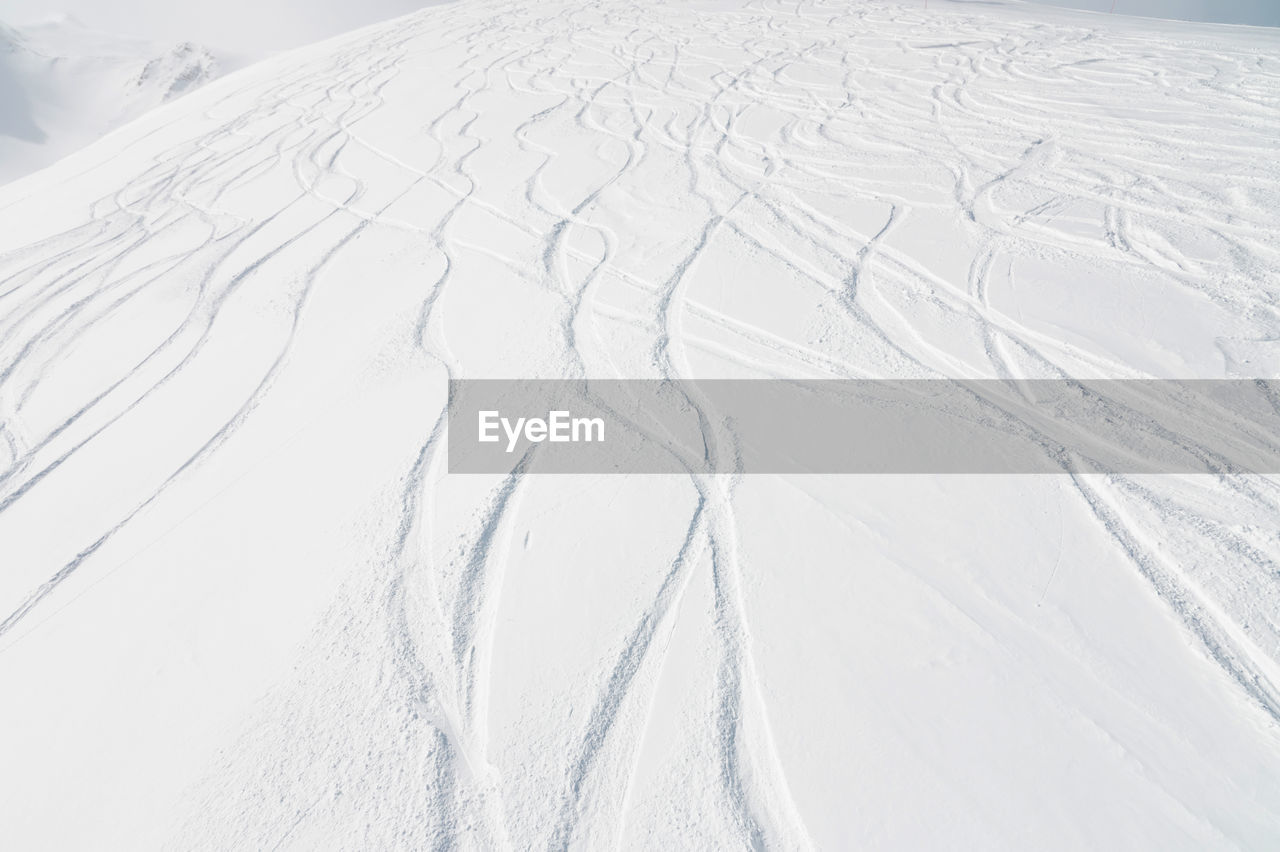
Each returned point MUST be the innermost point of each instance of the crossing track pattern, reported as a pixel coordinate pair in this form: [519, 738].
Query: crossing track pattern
[762, 189]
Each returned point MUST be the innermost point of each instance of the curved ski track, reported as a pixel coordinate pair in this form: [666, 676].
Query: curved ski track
[602, 155]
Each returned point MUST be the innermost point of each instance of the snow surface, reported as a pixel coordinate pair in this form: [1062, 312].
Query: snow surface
[1260, 13]
[243, 605]
[64, 85]
[248, 27]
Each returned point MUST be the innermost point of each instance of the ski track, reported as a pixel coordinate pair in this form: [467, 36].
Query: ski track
[635, 95]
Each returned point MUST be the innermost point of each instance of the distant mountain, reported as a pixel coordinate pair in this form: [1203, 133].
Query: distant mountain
[63, 84]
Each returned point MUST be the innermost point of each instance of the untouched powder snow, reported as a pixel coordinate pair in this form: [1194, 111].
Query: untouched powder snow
[243, 605]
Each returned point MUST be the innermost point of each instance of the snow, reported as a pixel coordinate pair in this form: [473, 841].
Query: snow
[243, 604]
[1262, 13]
[247, 27]
[63, 85]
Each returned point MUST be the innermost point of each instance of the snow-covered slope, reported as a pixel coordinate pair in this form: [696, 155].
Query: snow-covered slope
[244, 27]
[1259, 13]
[243, 605]
[63, 85]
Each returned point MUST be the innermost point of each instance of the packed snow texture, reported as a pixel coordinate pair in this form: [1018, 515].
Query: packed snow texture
[63, 85]
[243, 605]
